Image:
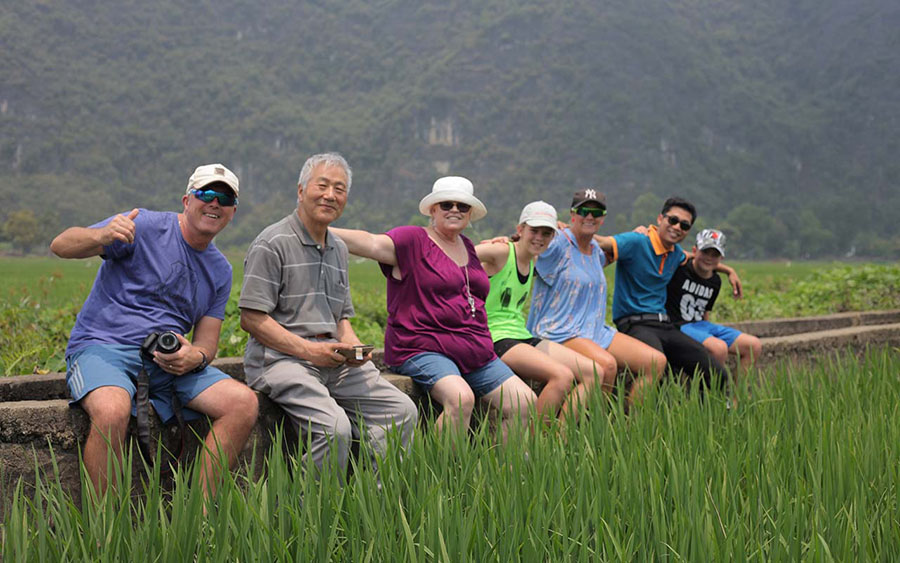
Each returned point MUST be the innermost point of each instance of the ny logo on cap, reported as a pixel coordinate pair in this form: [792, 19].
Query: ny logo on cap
[590, 194]
[220, 170]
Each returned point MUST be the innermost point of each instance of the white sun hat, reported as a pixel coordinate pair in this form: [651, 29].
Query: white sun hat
[453, 188]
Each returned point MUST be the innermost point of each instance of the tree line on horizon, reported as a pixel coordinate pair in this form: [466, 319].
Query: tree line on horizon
[777, 119]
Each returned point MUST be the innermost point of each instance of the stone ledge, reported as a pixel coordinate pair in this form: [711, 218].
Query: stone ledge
[37, 425]
[52, 386]
[795, 325]
[54, 422]
[806, 345]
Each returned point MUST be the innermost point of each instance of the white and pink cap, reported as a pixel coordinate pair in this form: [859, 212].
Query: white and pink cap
[539, 214]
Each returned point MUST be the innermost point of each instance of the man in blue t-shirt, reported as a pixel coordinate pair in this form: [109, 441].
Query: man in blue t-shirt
[646, 263]
[160, 272]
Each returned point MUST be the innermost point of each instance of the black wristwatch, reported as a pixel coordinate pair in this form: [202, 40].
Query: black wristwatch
[203, 364]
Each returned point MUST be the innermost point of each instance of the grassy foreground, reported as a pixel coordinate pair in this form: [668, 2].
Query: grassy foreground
[807, 468]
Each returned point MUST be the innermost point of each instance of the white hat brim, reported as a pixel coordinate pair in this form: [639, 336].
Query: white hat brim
[478, 208]
[541, 223]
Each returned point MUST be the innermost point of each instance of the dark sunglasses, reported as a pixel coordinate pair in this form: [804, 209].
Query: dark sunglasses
[448, 205]
[225, 200]
[673, 220]
[592, 211]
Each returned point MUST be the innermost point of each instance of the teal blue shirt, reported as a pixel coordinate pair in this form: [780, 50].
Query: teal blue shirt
[644, 268]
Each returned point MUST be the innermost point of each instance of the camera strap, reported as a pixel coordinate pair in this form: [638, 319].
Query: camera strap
[142, 406]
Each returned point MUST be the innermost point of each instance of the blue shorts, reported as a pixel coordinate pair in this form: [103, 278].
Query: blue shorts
[101, 365]
[701, 330]
[428, 367]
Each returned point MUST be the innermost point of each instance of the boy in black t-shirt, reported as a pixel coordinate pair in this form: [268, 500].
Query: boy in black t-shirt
[691, 295]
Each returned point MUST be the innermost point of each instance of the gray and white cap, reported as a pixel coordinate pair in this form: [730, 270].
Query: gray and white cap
[711, 238]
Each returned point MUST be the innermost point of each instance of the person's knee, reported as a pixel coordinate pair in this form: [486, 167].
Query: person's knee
[333, 440]
[717, 349]
[752, 347]
[246, 406]
[658, 362]
[608, 366]
[603, 372]
[406, 414]
[561, 377]
[519, 400]
[110, 412]
[342, 430]
[461, 401]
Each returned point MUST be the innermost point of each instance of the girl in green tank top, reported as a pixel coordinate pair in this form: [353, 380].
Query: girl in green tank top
[566, 376]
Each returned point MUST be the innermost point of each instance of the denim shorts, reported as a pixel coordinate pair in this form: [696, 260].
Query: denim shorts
[101, 365]
[701, 330]
[428, 367]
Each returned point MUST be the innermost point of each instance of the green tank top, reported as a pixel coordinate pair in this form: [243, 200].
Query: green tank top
[505, 301]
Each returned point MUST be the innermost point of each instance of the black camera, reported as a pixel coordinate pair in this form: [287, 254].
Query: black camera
[166, 342]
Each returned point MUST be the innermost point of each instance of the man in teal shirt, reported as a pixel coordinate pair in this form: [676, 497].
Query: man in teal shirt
[646, 263]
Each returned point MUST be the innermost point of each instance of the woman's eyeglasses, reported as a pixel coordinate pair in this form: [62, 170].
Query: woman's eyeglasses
[448, 205]
[225, 200]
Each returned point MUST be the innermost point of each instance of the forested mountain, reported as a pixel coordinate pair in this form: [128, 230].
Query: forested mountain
[778, 118]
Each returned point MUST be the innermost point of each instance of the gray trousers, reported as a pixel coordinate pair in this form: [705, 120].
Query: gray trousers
[327, 406]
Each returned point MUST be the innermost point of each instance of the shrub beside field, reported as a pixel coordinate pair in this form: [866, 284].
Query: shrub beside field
[836, 289]
[806, 468]
[38, 305]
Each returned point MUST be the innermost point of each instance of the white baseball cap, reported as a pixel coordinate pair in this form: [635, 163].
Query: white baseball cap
[539, 214]
[209, 173]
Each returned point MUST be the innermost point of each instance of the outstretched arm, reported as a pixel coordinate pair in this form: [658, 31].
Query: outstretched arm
[492, 256]
[83, 242]
[607, 244]
[362, 243]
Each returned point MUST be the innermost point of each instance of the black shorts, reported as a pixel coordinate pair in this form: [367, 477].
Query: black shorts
[683, 353]
[503, 345]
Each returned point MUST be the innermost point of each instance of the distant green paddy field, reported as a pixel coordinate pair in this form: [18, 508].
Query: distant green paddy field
[57, 281]
[40, 297]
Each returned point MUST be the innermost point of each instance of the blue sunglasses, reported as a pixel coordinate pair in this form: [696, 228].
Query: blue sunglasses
[225, 200]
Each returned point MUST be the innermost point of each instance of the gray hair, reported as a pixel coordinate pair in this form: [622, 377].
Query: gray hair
[328, 158]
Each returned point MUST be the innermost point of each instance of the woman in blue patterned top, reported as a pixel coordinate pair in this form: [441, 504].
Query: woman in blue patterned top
[568, 303]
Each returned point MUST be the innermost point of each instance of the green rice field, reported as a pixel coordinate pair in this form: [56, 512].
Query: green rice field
[39, 298]
[806, 468]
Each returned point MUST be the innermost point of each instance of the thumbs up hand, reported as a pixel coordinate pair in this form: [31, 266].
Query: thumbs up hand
[120, 228]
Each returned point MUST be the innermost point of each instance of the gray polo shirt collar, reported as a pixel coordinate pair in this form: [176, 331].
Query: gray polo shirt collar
[305, 238]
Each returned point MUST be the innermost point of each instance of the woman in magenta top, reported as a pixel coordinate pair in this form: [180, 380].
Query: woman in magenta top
[437, 327]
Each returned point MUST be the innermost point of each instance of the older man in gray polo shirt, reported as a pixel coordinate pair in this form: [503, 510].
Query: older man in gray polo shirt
[296, 305]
